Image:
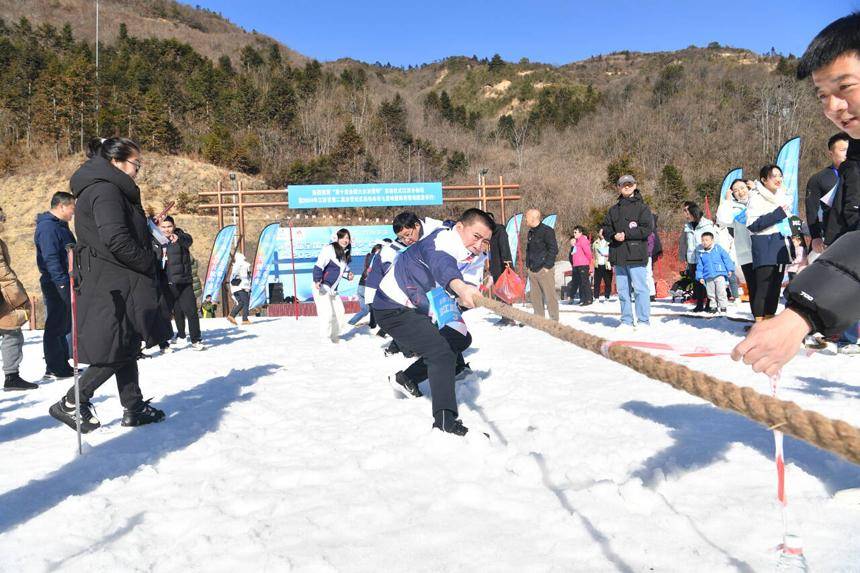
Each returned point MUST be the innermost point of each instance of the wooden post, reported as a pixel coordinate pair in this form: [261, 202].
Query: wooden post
[241, 219]
[483, 192]
[220, 209]
[502, 197]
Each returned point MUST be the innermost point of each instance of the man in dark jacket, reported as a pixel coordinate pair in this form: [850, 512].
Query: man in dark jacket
[826, 296]
[115, 281]
[627, 226]
[819, 186]
[500, 259]
[51, 238]
[178, 269]
[541, 251]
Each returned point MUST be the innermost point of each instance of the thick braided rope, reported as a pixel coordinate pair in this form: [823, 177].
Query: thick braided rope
[835, 436]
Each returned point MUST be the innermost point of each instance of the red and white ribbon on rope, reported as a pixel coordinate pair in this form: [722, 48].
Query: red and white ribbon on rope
[695, 352]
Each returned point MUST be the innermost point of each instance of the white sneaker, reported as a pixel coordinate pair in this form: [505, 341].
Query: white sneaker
[198, 346]
[173, 340]
[849, 349]
[180, 343]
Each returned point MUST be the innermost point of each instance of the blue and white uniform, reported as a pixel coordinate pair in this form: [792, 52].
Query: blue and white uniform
[435, 260]
[328, 270]
[379, 265]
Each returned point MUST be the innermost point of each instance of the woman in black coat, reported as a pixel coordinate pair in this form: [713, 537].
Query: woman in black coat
[116, 281]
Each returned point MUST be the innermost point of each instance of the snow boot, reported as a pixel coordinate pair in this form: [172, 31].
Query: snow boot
[392, 348]
[15, 382]
[142, 415]
[68, 372]
[447, 421]
[65, 413]
[402, 384]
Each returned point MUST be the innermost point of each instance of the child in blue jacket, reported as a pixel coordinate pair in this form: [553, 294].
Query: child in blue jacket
[714, 266]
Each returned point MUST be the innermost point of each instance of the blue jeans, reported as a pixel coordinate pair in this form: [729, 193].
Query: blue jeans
[850, 335]
[733, 284]
[637, 278]
[364, 311]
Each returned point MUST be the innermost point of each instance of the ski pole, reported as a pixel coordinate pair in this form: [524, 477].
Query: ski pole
[74, 299]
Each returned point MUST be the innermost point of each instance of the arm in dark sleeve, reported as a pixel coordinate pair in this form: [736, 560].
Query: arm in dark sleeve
[608, 231]
[109, 215]
[828, 292]
[768, 220]
[504, 247]
[551, 248]
[184, 238]
[643, 228]
[813, 200]
[52, 247]
[851, 194]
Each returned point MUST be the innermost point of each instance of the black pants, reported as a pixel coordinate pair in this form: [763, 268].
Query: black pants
[416, 332]
[768, 280]
[126, 381]
[573, 285]
[243, 299]
[185, 306]
[700, 294]
[417, 371]
[604, 275]
[581, 272]
[749, 276]
[58, 323]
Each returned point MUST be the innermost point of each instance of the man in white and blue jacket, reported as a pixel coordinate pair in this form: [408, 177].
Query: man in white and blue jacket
[445, 258]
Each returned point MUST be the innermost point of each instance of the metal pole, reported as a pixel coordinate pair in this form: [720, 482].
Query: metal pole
[295, 287]
[70, 249]
[98, 106]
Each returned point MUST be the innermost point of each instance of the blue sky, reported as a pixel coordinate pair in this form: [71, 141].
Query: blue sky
[553, 31]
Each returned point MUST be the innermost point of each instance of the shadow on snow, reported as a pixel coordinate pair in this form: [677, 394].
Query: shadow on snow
[192, 414]
[703, 434]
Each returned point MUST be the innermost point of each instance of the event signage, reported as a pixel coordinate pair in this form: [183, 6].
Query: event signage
[266, 248]
[219, 260]
[788, 161]
[364, 195]
[307, 242]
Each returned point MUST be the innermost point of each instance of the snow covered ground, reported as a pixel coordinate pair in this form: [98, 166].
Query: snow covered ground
[283, 453]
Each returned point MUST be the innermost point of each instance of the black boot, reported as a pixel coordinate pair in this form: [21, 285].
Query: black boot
[392, 349]
[15, 382]
[142, 415]
[65, 412]
[447, 421]
[401, 383]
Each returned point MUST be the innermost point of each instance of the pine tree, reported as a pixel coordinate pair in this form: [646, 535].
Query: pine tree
[496, 64]
[671, 189]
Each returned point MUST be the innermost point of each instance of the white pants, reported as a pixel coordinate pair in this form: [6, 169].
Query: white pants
[331, 314]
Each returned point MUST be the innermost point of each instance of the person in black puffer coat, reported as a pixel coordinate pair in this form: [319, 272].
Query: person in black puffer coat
[116, 283]
[627, 226]
[180, 280]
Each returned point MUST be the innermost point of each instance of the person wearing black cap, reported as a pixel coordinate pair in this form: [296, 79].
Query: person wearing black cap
[627, 225]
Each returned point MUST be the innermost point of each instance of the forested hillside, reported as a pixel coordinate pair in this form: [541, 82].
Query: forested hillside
[679, 120]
